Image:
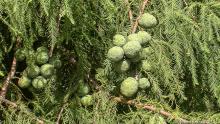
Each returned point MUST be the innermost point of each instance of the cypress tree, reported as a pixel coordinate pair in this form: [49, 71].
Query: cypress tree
[182, 67]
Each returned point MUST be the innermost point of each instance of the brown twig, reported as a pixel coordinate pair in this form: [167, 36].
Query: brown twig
[65, 103]
[58, 29]
[8, 102]
[7, 82]
[10, 74]
[154, 109]
[14, 105]
[8, 79]
[60, 113]
[130, 15]
[135, 24]
[185, 2]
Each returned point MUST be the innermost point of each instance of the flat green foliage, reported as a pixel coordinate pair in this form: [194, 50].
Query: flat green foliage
[185, 62]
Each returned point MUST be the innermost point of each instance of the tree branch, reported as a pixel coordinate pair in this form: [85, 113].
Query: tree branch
[10, 74]
[130, 15]
[8, 79]
[185, 2]
[60, 113]
[154, 109]
[65, 103]
[58, 30]
[135, 24]
[8, 102]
